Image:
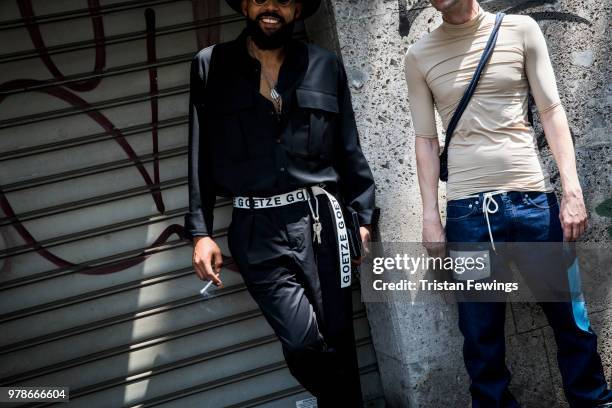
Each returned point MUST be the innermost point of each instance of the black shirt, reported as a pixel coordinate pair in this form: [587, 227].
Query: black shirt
[239, 145]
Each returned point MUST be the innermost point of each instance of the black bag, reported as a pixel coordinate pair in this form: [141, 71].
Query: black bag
[486, 55]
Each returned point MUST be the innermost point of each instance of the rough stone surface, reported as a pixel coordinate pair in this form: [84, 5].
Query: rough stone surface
[419, 348]
[527, 359]
[583, 58]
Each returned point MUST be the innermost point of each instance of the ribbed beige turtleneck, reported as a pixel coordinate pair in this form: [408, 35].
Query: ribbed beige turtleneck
[493, 146]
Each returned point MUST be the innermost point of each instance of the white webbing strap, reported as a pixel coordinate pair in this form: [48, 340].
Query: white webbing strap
[344, 251]
[344, 248]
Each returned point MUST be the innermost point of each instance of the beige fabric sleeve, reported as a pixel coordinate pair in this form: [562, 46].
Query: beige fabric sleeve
[538, 68]
[421, 99]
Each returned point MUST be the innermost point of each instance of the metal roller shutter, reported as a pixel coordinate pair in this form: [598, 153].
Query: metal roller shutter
[97, 291]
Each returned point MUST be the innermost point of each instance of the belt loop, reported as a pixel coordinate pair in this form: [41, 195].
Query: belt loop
[251, 203]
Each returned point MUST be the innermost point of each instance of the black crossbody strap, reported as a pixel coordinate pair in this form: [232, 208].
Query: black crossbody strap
[486, 55]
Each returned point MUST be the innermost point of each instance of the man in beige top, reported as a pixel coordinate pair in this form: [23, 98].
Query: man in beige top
[498, 190]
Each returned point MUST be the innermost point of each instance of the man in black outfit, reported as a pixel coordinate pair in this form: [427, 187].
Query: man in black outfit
[272, 126]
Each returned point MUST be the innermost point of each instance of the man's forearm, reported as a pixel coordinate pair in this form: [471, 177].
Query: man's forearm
[428, 170]
[559, 139]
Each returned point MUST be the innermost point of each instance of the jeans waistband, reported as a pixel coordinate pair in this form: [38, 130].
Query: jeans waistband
[490, 206]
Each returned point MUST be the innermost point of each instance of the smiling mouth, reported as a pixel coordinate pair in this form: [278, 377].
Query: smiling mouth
[270, 20]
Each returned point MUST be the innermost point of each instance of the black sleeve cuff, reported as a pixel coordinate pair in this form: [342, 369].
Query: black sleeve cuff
[195, 225]
[369, 216]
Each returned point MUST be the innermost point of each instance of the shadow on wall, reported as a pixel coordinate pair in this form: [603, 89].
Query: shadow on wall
[605, 210]
[409, 358]
[84, 202]
[408, 15]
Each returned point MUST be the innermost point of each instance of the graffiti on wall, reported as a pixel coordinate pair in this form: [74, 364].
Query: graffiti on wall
[65, 89]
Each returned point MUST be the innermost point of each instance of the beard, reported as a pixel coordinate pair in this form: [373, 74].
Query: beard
[273, 41]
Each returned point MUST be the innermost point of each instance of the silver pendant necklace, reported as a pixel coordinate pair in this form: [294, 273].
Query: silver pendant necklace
[276, 97]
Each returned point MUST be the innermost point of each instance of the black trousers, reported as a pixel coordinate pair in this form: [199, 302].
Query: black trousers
[296, 283]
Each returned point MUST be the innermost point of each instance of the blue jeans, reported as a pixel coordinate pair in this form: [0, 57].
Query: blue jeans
[522, 217]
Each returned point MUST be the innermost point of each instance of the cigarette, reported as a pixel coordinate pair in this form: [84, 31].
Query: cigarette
[205, 288]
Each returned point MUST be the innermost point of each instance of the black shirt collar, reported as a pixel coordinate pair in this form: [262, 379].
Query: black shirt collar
[293, 69]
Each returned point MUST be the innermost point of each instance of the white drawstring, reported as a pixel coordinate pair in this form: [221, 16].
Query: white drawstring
[486, 209]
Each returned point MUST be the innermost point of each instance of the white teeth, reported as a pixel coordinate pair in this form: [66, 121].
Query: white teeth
[269, 20]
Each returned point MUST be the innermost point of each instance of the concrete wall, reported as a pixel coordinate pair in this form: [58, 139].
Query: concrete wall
[419, 347]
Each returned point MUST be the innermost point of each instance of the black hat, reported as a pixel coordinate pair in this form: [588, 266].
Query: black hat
[308, 7]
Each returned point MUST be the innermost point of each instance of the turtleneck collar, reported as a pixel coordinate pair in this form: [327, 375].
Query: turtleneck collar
[468, 25]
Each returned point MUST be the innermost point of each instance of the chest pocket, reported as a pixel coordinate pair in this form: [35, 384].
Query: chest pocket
[313, 131]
